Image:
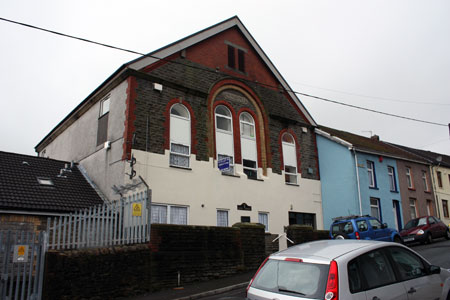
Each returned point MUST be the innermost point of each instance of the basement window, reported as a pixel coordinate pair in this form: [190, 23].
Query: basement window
[45, 181]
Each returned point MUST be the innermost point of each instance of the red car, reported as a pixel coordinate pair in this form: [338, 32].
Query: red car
[424, 230]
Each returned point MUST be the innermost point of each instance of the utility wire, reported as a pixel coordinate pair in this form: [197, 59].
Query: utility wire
[214, 71]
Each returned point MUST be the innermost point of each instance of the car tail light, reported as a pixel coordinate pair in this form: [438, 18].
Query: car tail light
[357, 235]
[331, 293]
[251, 281]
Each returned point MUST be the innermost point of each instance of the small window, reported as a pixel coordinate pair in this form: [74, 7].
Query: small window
[247, 125]
[250, 169]
[409, 178]
[45, 181]
[425, 181]
[223, 118]
[375, 207]
[231, 57]
[445, 208]
[263, 218]
[169, 214]
[104, 106]
[241, 60]
[392, 182]
[439, 178]
[371, 174]
[180, 136]
[412, 207]
[289, 158]
[222, 218]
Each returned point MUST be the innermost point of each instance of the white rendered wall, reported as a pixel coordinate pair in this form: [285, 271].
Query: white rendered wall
[204, 190]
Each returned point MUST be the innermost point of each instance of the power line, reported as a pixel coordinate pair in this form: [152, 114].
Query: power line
[215, 71]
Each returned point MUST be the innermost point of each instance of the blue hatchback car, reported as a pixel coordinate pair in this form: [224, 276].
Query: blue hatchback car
[363, 228]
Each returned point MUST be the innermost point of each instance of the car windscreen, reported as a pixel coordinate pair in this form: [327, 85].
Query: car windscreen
[293, 278]
[416, 222]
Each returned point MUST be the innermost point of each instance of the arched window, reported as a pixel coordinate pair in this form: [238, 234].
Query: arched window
[289, 158]
[180, 136]
[224, 136]
[248, 145]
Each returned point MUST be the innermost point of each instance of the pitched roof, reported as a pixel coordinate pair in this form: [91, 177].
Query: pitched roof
[432, 157]
[373, 145]
[164, 52]
[20, 189]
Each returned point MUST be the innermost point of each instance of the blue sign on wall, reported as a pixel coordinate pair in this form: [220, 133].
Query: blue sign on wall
[224, 164]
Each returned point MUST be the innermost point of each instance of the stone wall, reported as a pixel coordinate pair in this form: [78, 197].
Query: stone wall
[301, 234]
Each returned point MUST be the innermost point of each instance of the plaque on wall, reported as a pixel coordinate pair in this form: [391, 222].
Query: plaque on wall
[244, 206]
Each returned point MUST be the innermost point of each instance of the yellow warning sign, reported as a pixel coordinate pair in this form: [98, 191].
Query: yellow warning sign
[137, 209]
[21, 251]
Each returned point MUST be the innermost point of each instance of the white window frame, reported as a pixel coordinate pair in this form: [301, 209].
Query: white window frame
[182, 143]
[409, 178]
[287, 174]
[413, 208]
[425, 181]
[377, 206]
[253, 141]
[169, 207]
[371, 173]
[392, 181]
[222, 131]
[105, 106]
[261, 217]
[224, 211]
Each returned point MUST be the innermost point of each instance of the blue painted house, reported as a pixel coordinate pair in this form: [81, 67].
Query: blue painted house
[359, 177]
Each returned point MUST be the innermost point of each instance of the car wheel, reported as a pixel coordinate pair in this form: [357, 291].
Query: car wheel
[340, 236]
[447, 235]
[398, 239]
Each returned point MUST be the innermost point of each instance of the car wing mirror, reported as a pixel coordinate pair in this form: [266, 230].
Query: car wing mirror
[435, 269]
[383, 226]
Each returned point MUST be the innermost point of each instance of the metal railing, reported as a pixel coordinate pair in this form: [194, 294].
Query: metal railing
[126, 221]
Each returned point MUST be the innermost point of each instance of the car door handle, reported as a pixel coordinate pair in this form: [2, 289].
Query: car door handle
[412, 290]
[375, 298]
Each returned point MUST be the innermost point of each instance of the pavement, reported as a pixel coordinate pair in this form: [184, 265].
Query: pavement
[199, 290]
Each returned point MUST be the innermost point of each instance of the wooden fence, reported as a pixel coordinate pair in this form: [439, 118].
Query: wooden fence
[125, 221]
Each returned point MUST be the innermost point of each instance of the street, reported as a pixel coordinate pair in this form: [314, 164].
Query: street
[438, 253]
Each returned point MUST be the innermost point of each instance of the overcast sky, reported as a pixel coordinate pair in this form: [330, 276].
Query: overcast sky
[390, 56]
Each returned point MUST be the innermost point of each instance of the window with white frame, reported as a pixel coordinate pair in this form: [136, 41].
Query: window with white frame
[371, 174]
[412, 207]
[169, 214]
[224, 135]
[392, 182]
[409, 178]
[439, 178]
[425, 181]
[102, 129]
[375, 208]
[248, 145]
[263, 218]
[289, 158]
[180, 136]
[222, 218]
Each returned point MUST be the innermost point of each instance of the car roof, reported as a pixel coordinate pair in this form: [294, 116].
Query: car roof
[325, 251]
[350, 218]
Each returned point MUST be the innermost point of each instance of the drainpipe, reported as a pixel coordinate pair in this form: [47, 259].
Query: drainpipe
[357, 180]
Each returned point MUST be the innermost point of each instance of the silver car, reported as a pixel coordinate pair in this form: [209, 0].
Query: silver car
[348, 270]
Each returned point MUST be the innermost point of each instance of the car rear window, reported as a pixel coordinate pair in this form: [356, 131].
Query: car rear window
[292, 278]
[345, 227]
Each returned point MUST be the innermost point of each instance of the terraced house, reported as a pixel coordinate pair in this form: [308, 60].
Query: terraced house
[177, 112]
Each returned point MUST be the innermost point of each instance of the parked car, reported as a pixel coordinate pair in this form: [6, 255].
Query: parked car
[362, 228]
[424, 230]
[348, 270]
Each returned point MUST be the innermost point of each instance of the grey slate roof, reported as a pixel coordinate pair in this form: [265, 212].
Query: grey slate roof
[431, 157]
[20, 189]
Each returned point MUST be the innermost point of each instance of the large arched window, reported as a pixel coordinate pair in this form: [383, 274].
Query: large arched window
[289, 158]
[180, 136]
[248, 145]
[224, 135]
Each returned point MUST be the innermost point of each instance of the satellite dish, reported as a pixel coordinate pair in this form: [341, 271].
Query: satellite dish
[439, 159]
